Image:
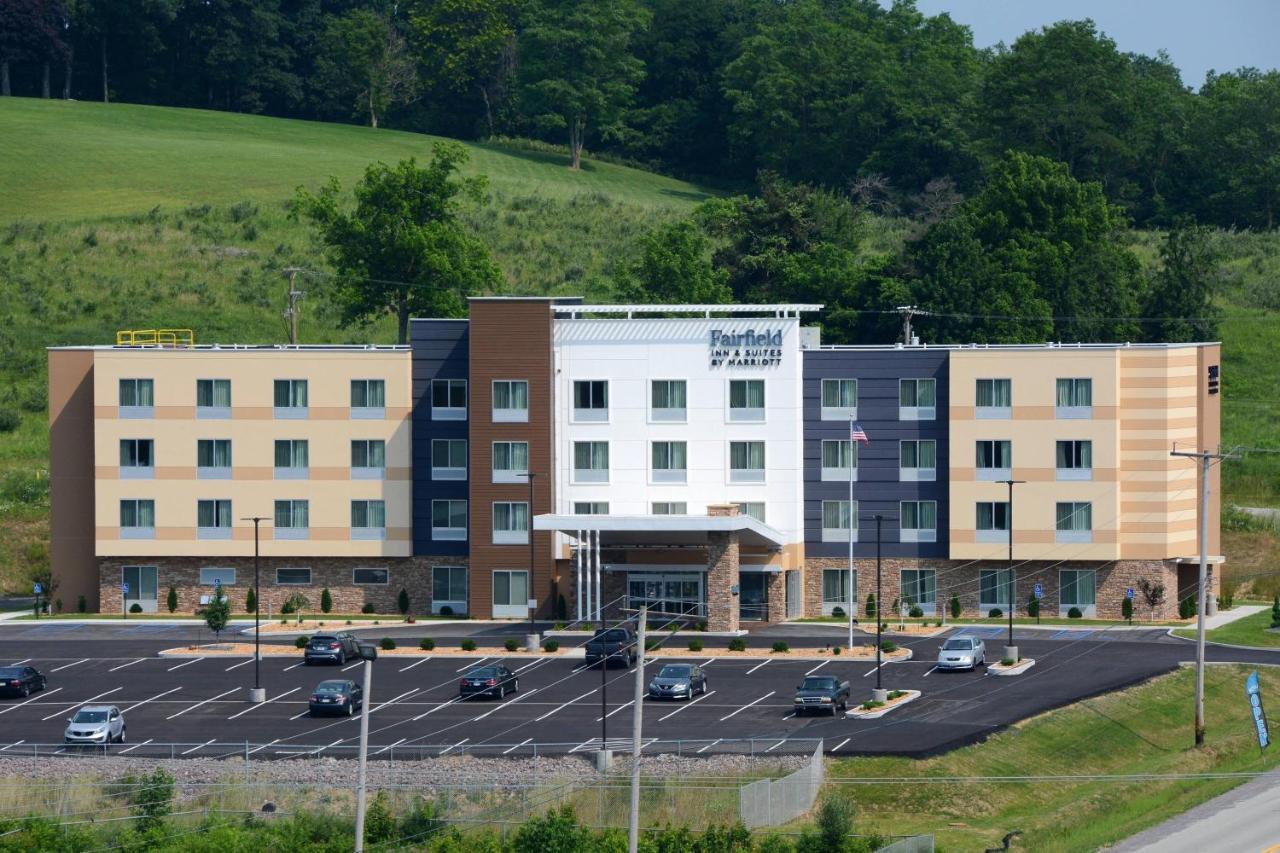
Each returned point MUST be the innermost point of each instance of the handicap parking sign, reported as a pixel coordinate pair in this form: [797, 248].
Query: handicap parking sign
[1128, 593]
[124, 587]
[38, 589]
[1039, 591]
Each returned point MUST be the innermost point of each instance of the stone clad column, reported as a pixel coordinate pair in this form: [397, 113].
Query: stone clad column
[722, 574]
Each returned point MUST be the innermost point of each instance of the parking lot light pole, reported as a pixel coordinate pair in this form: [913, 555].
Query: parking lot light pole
[532, 638]
[1010, 650]
[369, 653]
[879, 695]
[258, 694]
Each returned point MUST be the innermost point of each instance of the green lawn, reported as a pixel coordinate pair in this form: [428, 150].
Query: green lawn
[1249, 631]
[1146, 729]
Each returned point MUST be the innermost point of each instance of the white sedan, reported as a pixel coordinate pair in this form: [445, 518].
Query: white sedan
[962, 653]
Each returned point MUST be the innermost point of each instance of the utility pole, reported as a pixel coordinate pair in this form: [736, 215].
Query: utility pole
[637, 720]
[258, 694]
[907, 312]
[294, 296]
[1010, 650]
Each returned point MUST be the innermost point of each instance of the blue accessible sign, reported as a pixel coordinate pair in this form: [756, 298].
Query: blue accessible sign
[124, 587]
[1253, 690]
[1128, 593]
[1039, 591]
[37, 589]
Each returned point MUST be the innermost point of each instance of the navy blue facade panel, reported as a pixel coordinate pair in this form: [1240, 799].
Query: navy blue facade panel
[877, 488]
[439, 350]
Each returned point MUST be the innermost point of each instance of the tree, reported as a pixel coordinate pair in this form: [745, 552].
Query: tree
[364, 55]
[251, 601]
[171, 601]
[1181, 292]
[296, 602]
[216, 614]
[402, 601]
[326, 600]
[1153, 593]
[579, 74]
[29, 31]
[1126, 609]
[1033, 606]
[674, 266]
[1275, 613]
[403, 249]
[870, 610]
[955, 607]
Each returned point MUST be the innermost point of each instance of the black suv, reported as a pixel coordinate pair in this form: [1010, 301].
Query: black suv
[334, 648]
[612, 645]
[20, 680]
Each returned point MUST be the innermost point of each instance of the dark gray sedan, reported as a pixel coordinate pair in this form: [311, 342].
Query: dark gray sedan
[678, 681]
[336, 696]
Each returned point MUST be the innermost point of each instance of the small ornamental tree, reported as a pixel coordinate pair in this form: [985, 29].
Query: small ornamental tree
[1275, 613]
[251, 601]
[326, 600]
[296, 602]
[955, 607]
[171, 601]
[871, 605]
[1153, 594]
[402, 601]
[216, 615]
[1126, 609]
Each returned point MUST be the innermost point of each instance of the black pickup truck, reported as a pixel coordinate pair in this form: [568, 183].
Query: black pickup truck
[612, 645]
[823, 693]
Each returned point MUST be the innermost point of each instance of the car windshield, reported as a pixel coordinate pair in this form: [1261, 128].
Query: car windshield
[10, 672]
[675, 671]
[323, 639]
[90, 717]
[958, 645]
[818, 684]
[332, 687]
[483, 672]
[613, 635]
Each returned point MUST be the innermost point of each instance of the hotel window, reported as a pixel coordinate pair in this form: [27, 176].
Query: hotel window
[837, 521]
[448, 520]
[753, 509]
[835, 591]
[1075, 460]
[510, 523]
[839, 460]
[137, 459]
[670, 461]
[668, 400]
[293, 520]
[448, 399]
[448, 459]
[591, 508]
[917, 460]
[919, 521]
[213, 519]
[213, 399]
[293, 577]
[1078, 588]
[290, 399]
[994, 399]
[368, 399]
[137, 398]
[920, 587]
[370, 577]
[916, 399]
[291, 459]
[992, 523]
[993, 460]
[746, 462]
[137, 519]
[670, 508]
[210, 576]
[746, 399]
[449, 588]
[510, 593]
[368, 520]
[994, 590]
[213, 459]
[839, 399]
[591, 461]
[368, 459]
[590, 400]
[511, 462]
[1074, 522]
[510, 401]
[1074, 400]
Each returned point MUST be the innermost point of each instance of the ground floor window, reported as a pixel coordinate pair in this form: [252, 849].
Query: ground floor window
[212, 576]
[835, 591]
[293, 577]
[994, 589]
[370, 577]
[449, 588]
[919, 587]
[510, 593]
[670, 593]
[1078, 589]
[138, 585]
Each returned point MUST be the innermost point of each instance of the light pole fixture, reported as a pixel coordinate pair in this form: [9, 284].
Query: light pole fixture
[1010, 650]
[529, 592]
[258, 694]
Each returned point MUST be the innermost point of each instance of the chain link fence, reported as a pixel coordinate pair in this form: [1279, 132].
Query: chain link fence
[771, 802]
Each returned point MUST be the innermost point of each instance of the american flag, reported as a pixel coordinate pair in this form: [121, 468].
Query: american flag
[856, 433]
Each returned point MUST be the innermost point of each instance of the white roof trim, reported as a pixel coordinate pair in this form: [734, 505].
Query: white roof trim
[754, 532]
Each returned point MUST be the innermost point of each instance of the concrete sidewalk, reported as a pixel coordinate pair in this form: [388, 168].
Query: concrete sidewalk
[1226, 617]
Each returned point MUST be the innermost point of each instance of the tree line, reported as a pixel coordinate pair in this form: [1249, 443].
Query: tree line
[845, 95]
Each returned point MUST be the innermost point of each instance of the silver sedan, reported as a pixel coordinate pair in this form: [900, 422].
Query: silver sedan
[962, 653]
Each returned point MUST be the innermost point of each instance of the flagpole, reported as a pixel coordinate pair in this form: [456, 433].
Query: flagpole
[852, 528]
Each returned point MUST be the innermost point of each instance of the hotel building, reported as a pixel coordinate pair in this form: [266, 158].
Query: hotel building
[559, 459]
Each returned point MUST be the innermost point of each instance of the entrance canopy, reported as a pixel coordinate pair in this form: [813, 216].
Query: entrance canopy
[620, 531]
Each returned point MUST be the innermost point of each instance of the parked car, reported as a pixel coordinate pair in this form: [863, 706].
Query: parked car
[678, 681]
[335, 648]
[492, 680]
[95, 724]
[336, 696]
[21, 680]
[612, 645]
[962, 653]
[824, 693]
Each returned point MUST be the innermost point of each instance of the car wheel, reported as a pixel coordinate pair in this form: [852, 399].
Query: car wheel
[44, 684]
[502, 693]
[26, 691]
[121, 736]
[351, 708]
[342, 658]
[515, 686]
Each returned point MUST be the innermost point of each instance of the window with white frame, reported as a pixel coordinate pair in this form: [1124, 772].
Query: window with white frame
[292, 457]
[214, 576]
[746, 399]
[918, 521]
[1074, 399]
[368, 459]
[370, 577]
[1078, 588]
[510, 590]
[995, 589]
[917, 399]
[992, 522]
[839, 460]
[754, 509]
[213, 459]
[1075, 460]
[137, 518]
[668, 400]
[590, 400]
[839, 399]
[213, 519]
[837, 521]
[510, 523]
[449, 588]
[292, 520]
[368, 519]
[290, 398]
[1074, 522]
[993, 400]
[918, 460]
[448, 520]
[670, 508]
[591, 461]
[213, 399]
[835, 591]
[368, 399]
[293, 577]
[137, 459]
[746, 461]
[448, 399]
[510, 461]
[993, 460]
[670, 461]
[920, 588]
[510, 401]
[137, 398]
[590, 507]
[448, 459]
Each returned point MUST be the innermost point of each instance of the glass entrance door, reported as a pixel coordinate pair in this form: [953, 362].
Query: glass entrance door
[142, 583]
[674, 593]
[753, 596]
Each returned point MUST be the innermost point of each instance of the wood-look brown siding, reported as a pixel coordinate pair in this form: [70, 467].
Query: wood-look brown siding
[71, 477]
[510, 339]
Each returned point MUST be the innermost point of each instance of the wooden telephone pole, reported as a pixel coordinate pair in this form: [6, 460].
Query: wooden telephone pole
[294, 296]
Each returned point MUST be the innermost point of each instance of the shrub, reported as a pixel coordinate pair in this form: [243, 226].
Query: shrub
[695, 645]
[171, 600]
[301, 642]
[350, 622]
[871, 704]
[387, 644]
[916, 611]
[427, 644]
[82, 606]
[1033, 606]
[557, 626]
[511, 644]
[402, 601]
[897, 694]
[1186, 607]
[326, 600]
[838, 612]
[151, 799]
[835, 650]
[1007, 661]
[651, 643]
[1074, 613]
[888, 646]
[1126, 608]
[467, 645]
[250, 601]
[368, 607]
[1275, 613]
[10, 420]
[737, 644]
[995, 613]
[702, 625]
[551, 645]
[871, 605]
[955, 607]
[1228, 597]
[446, 610]
[286, 609]
[779, 647]
[136, 608]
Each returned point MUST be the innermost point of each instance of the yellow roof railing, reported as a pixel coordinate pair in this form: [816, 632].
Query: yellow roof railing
[156, 338]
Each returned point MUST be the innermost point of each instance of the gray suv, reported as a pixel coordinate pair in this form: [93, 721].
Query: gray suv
[331, 648]
[96, 724]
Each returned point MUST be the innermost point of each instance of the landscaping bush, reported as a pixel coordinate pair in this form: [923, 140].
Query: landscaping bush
[1186, 607]
[551, 645]
[835, 650]
[651, 643]
[897, 694]
[737, 644]
[1033, 606]
[402, 601]
[326, 600]
[695, 645]
[82, 606]
[511, 644]
[955, 607]
[367, 607]
[995, 613]
[467, 645]
[1007, 661]
[301, 642]
[702, 625]
[286, 609]
[1275, 613]
[1228, 597]
[871, 605]
[838, 612]
[871, 704]
[1074, 613]
[427, 644]
[136, 608]
[250, 601]
[10, 420]
[387, 644]
[557, 626]
[1126, 608]
[916, 611]
[780, 647]
[171, 600]
[446, 610]
[888, 646]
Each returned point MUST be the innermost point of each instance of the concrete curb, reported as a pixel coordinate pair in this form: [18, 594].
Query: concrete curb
[877, 713]
[1007, 671]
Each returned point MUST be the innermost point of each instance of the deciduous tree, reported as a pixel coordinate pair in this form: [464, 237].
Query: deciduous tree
[674, 266]
[364, 55]
[466, 46]
[1179, 304]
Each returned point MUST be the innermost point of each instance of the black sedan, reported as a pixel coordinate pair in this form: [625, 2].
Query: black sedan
[336, 697]
[678, 681]
[331, 648]
[20, 680]
[495, 680]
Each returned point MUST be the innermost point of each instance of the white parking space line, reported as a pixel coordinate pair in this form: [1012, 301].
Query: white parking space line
[264, 746]
[931, 670]
[391, 746]
[135, 746]
[415, 663]
[69, 665]
[688, 704]
[538, 662]
[512, 701]
[452, 701]
[818, 667]
[626, 704]
[789, 716]
[260, 704]
[382, 705]
[202, 702]
[470, 665]
[757, 666]
[303, 714]
[838, 746]
[152, 699]
[39, 695]
[565, 705]
[707, 662]
[748, 705]
[455, 746]
[238, 665]
[181, 665]
[776, 745]
[194, 748]
[85, 702]
[872, 671]
[130, 663]
[320, 749]
[708, 746]
[352, 666]
[12, 745]
[20, 662]
[295, 666]
[517, 746]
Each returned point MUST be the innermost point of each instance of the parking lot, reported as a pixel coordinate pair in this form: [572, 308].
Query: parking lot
[201, 703]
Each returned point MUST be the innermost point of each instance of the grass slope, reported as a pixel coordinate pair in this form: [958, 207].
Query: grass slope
[1249, 631]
